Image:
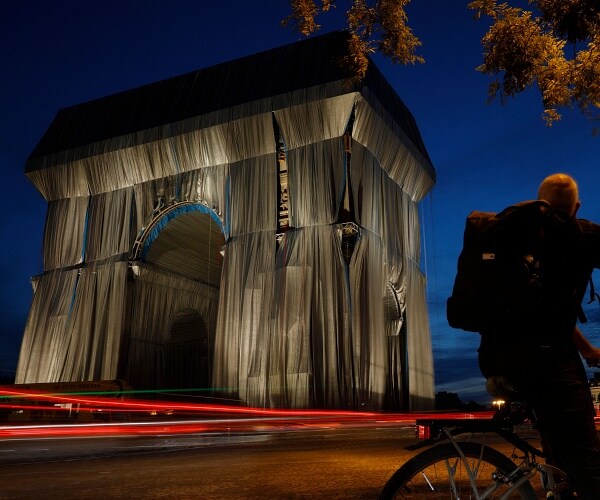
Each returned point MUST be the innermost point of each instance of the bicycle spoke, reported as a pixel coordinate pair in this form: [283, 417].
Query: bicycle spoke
[451, 470]
[428, 481]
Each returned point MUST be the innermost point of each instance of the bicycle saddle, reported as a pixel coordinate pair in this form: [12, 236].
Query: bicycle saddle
[499, 386]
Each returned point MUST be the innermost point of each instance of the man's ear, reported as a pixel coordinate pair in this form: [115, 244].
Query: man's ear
[577, 205]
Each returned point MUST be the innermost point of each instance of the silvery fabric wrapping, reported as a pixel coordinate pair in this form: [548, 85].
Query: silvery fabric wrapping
[316, 183]
[290, 322]
[75, 325]
[419, 353]
[65, 232]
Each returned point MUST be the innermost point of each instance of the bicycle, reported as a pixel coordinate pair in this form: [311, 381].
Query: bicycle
[453, 468]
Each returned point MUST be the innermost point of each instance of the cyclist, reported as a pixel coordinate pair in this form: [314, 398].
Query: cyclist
[541, 355]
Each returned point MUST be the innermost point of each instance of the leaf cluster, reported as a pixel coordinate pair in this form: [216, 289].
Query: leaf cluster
[554, 46]
[575, 20]
[304, 13]
[380, 25]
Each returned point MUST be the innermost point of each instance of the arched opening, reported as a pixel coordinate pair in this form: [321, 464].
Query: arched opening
[395, 324]
[176, 275]
[187, 239]
[187, 356]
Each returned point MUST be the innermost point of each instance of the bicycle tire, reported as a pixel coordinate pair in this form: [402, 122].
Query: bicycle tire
[425, 476]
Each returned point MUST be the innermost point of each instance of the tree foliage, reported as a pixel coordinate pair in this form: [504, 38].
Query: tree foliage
[380, 25]
[555, 46]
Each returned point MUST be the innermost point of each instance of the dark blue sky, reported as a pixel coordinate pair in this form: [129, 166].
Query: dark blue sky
[58, 53]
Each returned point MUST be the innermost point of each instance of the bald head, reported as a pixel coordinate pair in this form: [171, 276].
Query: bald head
[560, 190]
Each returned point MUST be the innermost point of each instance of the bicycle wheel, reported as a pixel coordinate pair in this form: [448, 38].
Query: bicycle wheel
[439, 472]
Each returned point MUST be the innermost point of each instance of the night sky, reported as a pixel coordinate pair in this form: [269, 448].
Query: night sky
[59, 53]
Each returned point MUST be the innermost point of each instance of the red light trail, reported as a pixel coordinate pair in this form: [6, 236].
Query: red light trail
[212, 418]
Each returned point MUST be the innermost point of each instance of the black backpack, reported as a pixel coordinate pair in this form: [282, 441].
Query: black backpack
[498, 280]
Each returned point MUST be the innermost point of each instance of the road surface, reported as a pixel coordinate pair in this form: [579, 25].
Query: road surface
[306, 464]
[324, 464]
